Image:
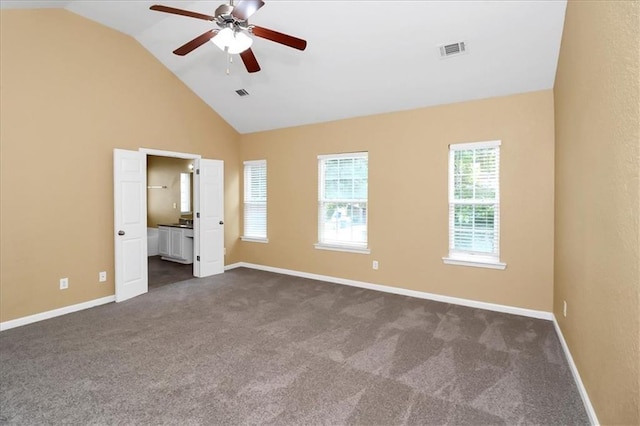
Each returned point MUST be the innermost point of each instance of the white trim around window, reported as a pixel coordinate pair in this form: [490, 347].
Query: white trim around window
[474, 205]
[255, 201]
[477, 263]
[347, 249]
[254, 240]
[343, 202]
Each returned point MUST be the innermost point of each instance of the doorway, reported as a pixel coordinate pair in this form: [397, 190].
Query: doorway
[164, 272]
[170, 239]
[130, 218]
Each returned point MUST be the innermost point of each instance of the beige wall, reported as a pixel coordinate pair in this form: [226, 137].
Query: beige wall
[408, 211]
[597, 202]
[164, 172]
[72, 91]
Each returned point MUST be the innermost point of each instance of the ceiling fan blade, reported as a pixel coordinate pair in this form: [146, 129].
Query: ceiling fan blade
[245, 8]
[287, 40]
[196, 42]
[175, 11]
[250, 60]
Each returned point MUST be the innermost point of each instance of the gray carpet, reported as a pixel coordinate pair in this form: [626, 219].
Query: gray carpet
[252, 347]
[163, 272]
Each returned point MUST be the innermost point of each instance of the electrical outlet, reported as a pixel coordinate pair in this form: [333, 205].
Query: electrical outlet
[564, 308]
[102, 276]
[375, 265]
[64, 283]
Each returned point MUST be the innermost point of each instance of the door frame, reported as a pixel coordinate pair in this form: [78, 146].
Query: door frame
[185, 156]
[196, 199]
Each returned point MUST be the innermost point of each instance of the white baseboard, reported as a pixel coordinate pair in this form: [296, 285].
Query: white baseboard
[401, 291]
[235, 265]
[55, 313]
[576, 375]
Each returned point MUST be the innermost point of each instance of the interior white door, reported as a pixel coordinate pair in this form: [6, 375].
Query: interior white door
[209, 223]
[130, 198]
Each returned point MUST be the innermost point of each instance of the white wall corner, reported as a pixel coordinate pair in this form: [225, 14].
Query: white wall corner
[234, 266]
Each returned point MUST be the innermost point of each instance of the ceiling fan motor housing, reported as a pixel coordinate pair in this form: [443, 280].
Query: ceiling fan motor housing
[225, 19]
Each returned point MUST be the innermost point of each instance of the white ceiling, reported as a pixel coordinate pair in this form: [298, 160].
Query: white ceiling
[362, 57]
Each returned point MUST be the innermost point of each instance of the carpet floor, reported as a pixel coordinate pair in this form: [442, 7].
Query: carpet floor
[252, 347]
[163, 272]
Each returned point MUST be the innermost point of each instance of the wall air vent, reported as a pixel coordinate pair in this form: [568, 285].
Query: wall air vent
[453, 49]
[242, 92]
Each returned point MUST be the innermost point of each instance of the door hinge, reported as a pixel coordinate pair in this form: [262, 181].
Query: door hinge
[198, 215]
[197, 171]
[198, 258]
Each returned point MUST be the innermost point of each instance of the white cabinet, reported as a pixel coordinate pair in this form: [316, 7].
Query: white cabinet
[164, 237]
[176, 244]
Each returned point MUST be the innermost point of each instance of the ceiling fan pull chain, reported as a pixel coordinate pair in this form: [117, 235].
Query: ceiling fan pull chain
[226, 49]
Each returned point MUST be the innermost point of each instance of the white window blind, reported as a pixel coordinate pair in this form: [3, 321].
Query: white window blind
[342, 200]
[474, 202]
[255, 199]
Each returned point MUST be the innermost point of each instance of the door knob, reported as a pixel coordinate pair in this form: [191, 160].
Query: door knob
[120, 232]
[221, 223]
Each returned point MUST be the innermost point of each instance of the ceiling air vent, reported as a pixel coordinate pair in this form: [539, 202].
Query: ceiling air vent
[242, 92]
[453, 49]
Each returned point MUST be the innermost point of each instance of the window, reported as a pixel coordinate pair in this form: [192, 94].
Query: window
[185, 193]
[255, 201]
[474, 204]
[342, 201]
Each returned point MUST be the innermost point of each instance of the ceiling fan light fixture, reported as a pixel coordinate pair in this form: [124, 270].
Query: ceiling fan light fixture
[232, 38]
[232, 41]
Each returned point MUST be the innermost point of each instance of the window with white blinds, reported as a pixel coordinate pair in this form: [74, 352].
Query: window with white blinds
[474, 202]
[255, 200]
[343, 201]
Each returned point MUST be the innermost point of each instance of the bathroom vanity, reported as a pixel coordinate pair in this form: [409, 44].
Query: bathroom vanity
[175, 243]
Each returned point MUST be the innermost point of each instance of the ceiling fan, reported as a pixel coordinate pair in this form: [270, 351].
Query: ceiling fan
[232, 35]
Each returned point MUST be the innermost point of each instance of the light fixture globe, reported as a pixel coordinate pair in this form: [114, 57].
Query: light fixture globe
[232, 41]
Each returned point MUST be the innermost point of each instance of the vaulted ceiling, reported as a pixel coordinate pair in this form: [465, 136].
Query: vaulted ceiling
[362, 57]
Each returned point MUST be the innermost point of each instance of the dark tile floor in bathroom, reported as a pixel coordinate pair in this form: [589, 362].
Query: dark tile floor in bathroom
[163, 272]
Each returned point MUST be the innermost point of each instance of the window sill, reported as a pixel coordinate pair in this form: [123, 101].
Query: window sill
[474, 263]
[255, 240]
[347, 249]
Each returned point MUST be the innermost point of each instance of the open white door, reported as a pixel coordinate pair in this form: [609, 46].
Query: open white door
[130, 198]
[209, 221]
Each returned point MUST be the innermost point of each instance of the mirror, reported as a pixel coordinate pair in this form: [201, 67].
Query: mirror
[185, 192]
